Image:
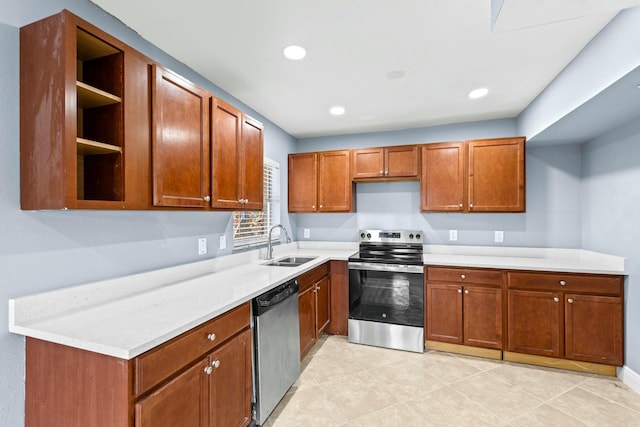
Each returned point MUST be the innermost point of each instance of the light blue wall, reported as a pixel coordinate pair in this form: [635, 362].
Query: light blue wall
[47, 250]
[611, 202]
[553, 203]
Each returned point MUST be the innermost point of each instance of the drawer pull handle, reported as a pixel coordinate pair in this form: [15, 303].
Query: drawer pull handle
[208, 370]
[211, 337]
[462, 276]
[570, 300]
[556, 299]
[563, 283]
[216, 364]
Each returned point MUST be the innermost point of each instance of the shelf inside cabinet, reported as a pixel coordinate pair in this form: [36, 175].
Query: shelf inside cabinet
[91, 97]
[87, 147]
[90, 47]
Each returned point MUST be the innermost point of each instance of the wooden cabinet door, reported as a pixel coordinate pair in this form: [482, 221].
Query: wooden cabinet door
[444, 313]
[482, 316]
[251, 173]
[402, 161]
[496, 175]
[443, 177]
[180, 141]
[307, 319]
[181, 402]
[226, 156]
[303, 182]
[534, 323]
[335, 188]
[594, 329]
[339, 298]
[230, 383]
[323, 305]
[368, 163]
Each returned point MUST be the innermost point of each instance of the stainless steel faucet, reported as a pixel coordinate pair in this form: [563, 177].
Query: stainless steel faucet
[269, 246]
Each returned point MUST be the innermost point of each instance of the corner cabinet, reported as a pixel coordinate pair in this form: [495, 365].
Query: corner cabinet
[180, 141]
[474, 176]
[321, 182]
[77, 126]
[200, 378]
[314, 306]
[236, 159]
[394, 163]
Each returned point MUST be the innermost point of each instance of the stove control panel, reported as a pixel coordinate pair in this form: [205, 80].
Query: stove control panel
[391, 236]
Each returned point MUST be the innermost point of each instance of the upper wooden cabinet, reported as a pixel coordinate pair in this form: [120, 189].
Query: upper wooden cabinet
[236, 159]
[320, 182]
[386, 163]
[77, 126]
[180, 138]
[474, 176]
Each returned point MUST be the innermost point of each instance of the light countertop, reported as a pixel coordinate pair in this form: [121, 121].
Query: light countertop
[127, 316]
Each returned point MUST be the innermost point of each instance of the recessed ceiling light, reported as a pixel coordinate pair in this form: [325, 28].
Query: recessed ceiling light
[337, 110]
[396, 74]
[294, 52]
[478, 93]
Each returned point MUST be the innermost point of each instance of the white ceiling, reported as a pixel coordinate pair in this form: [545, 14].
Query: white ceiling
[445, 47]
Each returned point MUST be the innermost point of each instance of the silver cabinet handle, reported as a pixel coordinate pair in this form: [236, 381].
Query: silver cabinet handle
[386, 173]
[570, 300]
[207, 198]
[466, 292]
[321, 206]
[460, 205]
[313, 206]
[208, 370]
[211, 337]
[470, 205]
[462, 276]
[459, 291]
[216, 363]
[556, 299]
[562, 283]
[381, 172]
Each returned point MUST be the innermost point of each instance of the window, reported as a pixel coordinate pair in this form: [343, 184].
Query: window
[252, 228]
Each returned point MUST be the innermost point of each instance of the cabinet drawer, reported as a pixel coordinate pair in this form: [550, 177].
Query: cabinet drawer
[465, 275]
[609, 285]
[310, 277]
[154, 366]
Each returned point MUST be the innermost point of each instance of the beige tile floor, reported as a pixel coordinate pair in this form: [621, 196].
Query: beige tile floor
[345, 384]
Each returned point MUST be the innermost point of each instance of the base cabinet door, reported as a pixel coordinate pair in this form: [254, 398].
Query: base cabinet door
[482, 316]
[182, 401]
[230, 383]
[534, 323]
[593, 328]
[323, 305]
[444, 312]
[307, 318]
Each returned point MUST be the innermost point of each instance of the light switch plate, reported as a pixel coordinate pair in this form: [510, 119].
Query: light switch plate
[202, 246]
[307, 233]
[223, 242]
[453, 235]
[499, 236]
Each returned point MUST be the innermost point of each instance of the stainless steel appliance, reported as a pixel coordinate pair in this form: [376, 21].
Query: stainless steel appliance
[386, 290]
[277, 346]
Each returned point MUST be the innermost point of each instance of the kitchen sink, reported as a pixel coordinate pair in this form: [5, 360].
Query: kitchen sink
[290, 261]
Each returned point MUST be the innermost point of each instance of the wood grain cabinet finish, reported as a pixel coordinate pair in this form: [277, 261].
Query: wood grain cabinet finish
[236, 159]
[200, 378]
[464, 306]
[180, 141]
[570, 316]
[339, 298]
[386, 163]
[321, 182]
[473, 176]
[84, 118]
[314, 306]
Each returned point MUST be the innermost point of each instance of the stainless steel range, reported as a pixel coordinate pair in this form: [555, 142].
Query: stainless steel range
[386, 290]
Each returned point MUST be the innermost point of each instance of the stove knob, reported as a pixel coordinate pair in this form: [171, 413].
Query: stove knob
[411, 236]
[417, 236]
[368, 235]
[362, 235]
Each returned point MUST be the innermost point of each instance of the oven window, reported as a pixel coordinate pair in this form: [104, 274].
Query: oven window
[388, 297]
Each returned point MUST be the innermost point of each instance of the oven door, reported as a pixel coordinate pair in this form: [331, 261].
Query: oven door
[386, 293]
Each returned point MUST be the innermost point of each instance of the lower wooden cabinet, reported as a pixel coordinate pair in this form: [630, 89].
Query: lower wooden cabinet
[339, 324]
[314, 306]
[200, 378]
[570, 316]
[464, 306]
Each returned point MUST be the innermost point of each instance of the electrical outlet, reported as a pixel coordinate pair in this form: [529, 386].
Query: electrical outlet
[453, 235]
[202, 246]
[307, 233]
[223, 242]
[499, 236]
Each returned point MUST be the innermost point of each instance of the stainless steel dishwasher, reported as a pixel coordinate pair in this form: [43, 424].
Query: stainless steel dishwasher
[277, 346]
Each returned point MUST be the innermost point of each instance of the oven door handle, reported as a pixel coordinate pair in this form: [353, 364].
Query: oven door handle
[386, 267]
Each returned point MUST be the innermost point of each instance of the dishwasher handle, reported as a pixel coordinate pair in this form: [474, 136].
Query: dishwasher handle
[266, 301]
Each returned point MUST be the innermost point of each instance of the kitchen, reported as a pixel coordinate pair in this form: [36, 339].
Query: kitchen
[571, 189]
